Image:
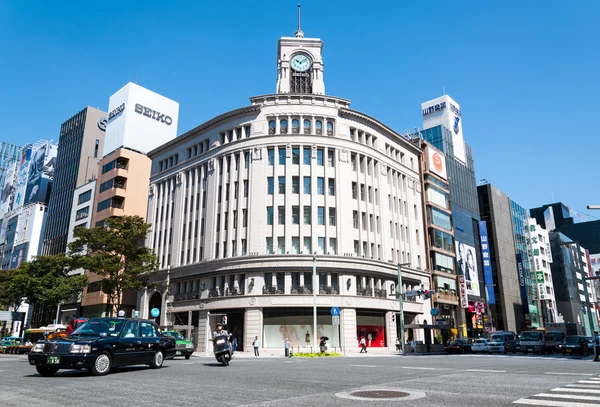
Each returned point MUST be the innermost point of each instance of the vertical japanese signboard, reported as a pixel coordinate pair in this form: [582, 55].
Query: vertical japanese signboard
[521, 274]
[487, 265]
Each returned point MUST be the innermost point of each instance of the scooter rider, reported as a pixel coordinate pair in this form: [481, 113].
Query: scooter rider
[220, 331]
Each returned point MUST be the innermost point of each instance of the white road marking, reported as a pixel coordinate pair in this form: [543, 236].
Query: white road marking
[585, 386]
[485, 371]
[588, 382]
[552, 403]
[420, 368]
[569, 396]
[570, 374]
[571, 390]
[363, 365]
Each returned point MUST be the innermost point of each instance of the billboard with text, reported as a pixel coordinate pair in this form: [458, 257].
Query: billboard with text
[466, 260]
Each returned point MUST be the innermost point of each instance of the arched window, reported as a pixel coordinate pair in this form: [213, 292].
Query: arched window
[295, 126]
[306, 126]
[329, 128]
[283, 126]
[272, 126]
[319, 127]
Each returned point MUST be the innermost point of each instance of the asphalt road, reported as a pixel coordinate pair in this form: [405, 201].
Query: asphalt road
[448, 380]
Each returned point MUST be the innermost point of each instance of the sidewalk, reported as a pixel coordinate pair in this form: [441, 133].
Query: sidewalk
[355, 353]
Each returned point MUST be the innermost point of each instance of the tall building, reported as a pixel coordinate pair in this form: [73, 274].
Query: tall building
[139, 120]
[245, 204]
[440, 242]
[508, 281]
[442, 122]
[9, 154]
[79, 148]
[541, 253]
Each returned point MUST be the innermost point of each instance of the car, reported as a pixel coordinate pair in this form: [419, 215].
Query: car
[536, 342]
[503, 342]
[480, 345]
[575, 344]
[559, 338]
[102, 344]
[182, 347]
[458, 346]
[9, 341]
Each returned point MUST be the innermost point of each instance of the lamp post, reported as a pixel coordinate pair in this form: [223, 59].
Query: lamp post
[314, 290]
[401, 305]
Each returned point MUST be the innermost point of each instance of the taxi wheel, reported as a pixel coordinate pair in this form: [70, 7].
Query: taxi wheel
[157, 360]
[102, 364]
[46, 371]
[187, 357]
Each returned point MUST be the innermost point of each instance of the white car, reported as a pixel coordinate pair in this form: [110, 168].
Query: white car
[480, 345]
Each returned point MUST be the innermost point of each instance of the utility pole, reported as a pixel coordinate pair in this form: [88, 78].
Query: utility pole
[314, 290]
[399, 293]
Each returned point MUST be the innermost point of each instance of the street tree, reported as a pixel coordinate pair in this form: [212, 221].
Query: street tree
[118, 255]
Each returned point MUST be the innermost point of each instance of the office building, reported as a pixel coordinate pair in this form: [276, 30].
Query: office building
[541, 254]
[79, 148]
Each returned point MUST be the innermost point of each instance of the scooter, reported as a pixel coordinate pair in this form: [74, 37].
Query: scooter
[222, 349]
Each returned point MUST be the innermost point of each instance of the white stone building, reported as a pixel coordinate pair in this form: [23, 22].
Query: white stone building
[539, 247]
[240, 204]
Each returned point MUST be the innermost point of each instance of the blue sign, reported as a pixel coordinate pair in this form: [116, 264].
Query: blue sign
[335, 311]
[155, 312]
[521, 272]
[434, 108]
[434, 312]
[487, 262]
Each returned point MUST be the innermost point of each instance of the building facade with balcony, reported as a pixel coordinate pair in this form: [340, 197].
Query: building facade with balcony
[244, 205]
[541, 264]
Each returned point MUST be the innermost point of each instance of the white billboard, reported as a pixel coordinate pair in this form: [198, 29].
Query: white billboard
[446, 112]
[467, 266]
[139, 119]
[7, 188]
[595, 262]
[436, 162]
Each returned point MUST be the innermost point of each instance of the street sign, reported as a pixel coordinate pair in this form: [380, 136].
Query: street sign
[335, 311]
[136, 314]
[411, 293]
[434, 312]
[155, 312]
[335, 320]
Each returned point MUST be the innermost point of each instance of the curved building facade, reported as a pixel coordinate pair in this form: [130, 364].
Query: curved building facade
[245, 205]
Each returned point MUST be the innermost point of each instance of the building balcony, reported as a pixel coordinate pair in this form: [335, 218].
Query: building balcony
[324, 289]
[273, 290]
[381, 293]
[230, 292]
[365, 292]
[192, 295]
[301, 289]
[215, 293]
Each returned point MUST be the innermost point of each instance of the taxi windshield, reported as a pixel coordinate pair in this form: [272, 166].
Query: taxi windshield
[176, 335]
[98, 326]
[497, 338]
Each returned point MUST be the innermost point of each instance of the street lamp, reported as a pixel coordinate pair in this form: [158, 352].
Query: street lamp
[401, 305]
[314, 290]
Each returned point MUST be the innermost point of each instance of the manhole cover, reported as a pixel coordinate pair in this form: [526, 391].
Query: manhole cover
[379, 394]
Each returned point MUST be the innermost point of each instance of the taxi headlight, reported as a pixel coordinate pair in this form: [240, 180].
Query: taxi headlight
[189, 346]
[38, 347]
[80, 348]
[220, 341]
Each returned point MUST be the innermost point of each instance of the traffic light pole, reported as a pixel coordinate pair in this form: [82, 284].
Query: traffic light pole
[401, 307]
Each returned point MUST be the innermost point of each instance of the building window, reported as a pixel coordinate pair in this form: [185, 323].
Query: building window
[280, 246]
[295, 126]
[321, 215]
[331, 216]
[321, 243]
[307, 248]
[332, 250]
[364, 220]
[295, 215]
[321, 186]
[329, 128]
[272, 126]
[362, 192]
[319, 127]
[283, 124]
[353, 161]
[96, 146]
[320, 157]
[270, 245]
[296, 155]
[218, 222]
[295, 245]
[331, 186]
[269, 215]
[281, 215]
[330, 158]
[82, 213]
[306, 155]
[306, 126]
[307, 185]
[245, 190]
[354, 191]
[282, 185]
[247, 160]
[307, 215]
[355, 219]
[270, 185]
[104, 205]
[281, 152]
[295, 185]
[271, 154]
[244, 218]
[84, 197]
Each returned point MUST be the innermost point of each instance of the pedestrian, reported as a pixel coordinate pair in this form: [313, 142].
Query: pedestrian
[363, 345]
[234, 345]
[307, 339]
[287, 348]
[596, 347]
[256, 345]
[413, 346]
[397, 344]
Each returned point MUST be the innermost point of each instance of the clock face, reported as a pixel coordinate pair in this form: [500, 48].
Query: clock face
[300, 63]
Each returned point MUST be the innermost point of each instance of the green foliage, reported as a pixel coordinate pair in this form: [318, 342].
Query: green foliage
[42, 280]
[116, 253]
[314, 355]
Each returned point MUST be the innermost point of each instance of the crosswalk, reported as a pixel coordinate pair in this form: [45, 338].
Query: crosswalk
[584, 393]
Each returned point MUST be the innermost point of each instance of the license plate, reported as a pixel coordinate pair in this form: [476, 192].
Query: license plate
[53, 360]
[530, 349]
[178, 353]
[568, 350]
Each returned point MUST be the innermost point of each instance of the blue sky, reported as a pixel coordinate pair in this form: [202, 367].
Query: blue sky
[524, 72]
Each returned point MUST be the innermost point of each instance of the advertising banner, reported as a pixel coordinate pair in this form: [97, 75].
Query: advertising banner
[464, 300]
[8, 188]
[521, 274]
[275, 335]
[19, 255]
[595, 262]
[41, 171]
[467, 266]
[22, 178]
[436, 162]
[487, 262]
[539, 278]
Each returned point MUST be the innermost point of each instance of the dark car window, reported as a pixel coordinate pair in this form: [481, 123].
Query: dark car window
[132, 329]
[573, 340]
[531, 336]
[148, 329]
[97, 326]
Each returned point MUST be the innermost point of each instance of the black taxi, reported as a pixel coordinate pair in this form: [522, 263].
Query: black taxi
[101, 344]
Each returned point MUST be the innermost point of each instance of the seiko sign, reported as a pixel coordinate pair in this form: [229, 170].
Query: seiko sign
[116, 111]
[102, 123]
[153, 114]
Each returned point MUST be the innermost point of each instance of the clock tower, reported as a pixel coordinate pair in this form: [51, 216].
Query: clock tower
[300, 64]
